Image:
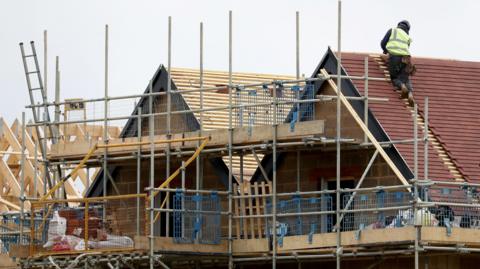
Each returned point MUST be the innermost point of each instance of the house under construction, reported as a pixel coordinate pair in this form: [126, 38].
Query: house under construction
[224, 169]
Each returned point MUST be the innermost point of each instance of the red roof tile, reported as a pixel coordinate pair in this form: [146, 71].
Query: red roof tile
[454, 123]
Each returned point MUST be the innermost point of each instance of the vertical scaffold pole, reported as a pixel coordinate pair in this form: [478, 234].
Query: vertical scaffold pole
[417, 221]
[198, 159]
[88, 179]
[169, 120]
[57, 175]
[297, 44]
[45, 89]
[57, 98]
[22, 180]
[338, 136]
[415, 142]
[365, 111]
[35, 169]
[425, 144]
[297, 72]
[139, 163]
[274, 177]
[105, 119]
[152, 171]
[230, 142]
[45, 64]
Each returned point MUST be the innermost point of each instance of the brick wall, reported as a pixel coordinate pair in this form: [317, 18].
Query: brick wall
[326, 110]
[317, 165]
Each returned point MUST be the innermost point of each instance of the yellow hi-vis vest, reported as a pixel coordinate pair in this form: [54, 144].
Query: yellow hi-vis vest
[399, 42]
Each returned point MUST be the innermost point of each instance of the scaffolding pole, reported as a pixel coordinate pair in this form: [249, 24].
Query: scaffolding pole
[22, 180]
[274, 179]
[338, 251]
[198, 170]
[105, 120]
[139, 164]
[416, 222]
[57, 98]
[169, 119]
[230, 142]
[425, 144]
[152, 176]
[297, 72]
[198, 184]
[45, 63]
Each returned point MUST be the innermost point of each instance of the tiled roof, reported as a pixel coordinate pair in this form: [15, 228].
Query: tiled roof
[453, 89]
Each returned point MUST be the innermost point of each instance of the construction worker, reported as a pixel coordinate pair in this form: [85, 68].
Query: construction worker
[396, 44]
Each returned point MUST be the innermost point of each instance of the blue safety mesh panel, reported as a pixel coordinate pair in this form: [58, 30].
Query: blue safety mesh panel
[196, 217]
[303, 111]
[370, 218]
[254, 106]
[303, 224]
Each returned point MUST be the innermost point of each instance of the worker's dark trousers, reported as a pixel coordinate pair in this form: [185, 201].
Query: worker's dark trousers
[398, 72]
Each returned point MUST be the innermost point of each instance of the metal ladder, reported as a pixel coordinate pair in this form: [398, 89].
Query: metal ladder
[31, 91]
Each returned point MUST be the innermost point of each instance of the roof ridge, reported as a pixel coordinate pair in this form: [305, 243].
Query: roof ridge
[439, 147]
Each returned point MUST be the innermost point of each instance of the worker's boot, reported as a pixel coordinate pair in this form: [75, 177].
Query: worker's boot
[403, 91]
[410, 98]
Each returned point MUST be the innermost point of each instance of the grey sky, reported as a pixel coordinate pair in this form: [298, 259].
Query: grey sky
[264, 37]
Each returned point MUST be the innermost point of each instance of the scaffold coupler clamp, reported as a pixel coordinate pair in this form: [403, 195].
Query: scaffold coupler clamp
[448, 226]
[339, 251]
[358, 233]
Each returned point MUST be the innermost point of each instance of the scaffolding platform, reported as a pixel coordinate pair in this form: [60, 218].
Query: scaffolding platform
[388, 237]
[218, 138]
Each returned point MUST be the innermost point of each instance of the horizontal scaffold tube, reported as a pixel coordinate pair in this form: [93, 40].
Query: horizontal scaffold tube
[205, 89]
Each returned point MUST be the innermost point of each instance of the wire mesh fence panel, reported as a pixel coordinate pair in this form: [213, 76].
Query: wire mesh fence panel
[376, 212]
[196, 217]
[455, 207]
[254, 106]
[305, 224]
[94, 224]
[10, 230]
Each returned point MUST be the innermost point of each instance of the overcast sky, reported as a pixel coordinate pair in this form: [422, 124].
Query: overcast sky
[264, 37]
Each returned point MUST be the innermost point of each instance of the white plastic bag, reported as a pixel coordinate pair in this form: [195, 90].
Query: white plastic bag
[57, 227]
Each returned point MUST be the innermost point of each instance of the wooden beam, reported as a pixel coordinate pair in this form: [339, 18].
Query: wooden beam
[8, 175]
[82, 175]
[14, 185]
[9, 204]
[16, 146]
[14, 143]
